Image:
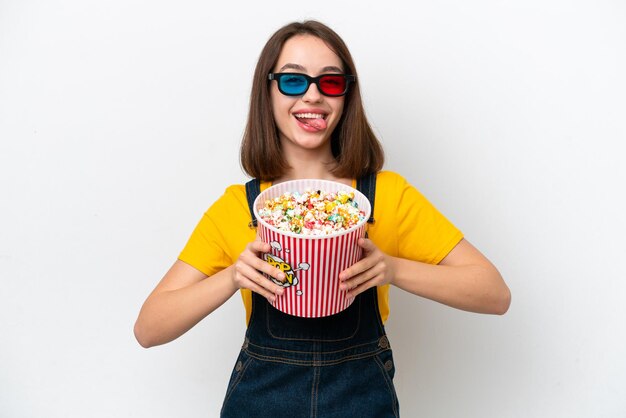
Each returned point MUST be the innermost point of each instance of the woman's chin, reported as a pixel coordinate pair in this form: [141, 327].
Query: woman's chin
[308, 143]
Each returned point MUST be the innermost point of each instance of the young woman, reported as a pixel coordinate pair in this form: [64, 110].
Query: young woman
[306, 120]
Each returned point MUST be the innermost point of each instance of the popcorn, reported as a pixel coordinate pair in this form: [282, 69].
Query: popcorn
[313, 212]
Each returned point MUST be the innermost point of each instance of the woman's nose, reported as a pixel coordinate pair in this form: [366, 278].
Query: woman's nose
[312, 94]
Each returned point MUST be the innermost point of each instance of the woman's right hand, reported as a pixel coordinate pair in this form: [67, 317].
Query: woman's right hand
[247, 272]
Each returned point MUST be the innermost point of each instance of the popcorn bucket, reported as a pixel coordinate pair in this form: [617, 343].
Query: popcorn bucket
[312, 263]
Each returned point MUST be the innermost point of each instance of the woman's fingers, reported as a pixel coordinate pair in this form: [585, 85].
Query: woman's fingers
[356, 269]
[369, 272]
[256, 276]
[361, 271]
[372, 257]
[367, 277]
[257, 246]
[249, 270]
[364, 285]
[258, 264]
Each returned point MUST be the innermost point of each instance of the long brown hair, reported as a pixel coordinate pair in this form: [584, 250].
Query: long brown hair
[353, 143]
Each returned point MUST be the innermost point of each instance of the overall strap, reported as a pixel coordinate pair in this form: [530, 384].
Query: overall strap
[367, 186]
[253, 188]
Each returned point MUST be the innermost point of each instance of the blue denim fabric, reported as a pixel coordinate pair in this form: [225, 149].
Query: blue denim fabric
[337, 366]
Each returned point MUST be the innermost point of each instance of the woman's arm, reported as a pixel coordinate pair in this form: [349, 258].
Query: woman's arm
[464, 279]
[185, 295]
[182, 298]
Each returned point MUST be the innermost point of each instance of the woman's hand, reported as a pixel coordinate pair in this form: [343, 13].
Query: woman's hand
[375, 269]
[186, 295]
[247, 272]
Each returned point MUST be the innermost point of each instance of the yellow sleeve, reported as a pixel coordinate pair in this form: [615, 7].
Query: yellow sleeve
[205, 248]
[423, 232]
[414, 228]
[221, 234]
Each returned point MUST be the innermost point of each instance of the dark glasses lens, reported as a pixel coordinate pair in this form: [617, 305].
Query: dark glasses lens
[296, 84]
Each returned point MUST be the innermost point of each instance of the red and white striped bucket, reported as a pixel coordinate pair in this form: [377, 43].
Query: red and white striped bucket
[312, 263]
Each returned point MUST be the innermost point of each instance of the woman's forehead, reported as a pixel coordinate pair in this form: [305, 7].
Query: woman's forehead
[307, 53]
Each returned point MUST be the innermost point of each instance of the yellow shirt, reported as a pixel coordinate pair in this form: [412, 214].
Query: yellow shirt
[407, 226]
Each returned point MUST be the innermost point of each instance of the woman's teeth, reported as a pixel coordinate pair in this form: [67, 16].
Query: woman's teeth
[309, 116]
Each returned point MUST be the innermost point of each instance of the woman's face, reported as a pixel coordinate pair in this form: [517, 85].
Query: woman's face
[306, 122]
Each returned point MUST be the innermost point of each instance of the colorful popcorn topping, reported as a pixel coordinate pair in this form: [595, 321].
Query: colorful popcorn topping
[312, 212]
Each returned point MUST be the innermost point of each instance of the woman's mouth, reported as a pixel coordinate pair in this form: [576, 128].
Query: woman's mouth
[311, 122]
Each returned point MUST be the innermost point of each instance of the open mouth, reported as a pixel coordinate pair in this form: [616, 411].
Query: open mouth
[313, 120]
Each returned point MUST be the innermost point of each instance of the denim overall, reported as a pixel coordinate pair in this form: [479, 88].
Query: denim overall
[336, 366]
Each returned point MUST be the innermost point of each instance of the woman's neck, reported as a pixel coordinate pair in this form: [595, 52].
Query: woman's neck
[311, 164]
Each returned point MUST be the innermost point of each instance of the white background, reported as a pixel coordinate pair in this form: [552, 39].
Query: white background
[120, 124]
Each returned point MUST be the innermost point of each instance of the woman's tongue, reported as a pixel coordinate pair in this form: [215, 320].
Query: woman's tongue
[316, 123]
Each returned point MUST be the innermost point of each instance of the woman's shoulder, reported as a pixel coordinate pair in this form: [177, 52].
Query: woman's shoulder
[393, 187]
[232, 199]
[390, 180]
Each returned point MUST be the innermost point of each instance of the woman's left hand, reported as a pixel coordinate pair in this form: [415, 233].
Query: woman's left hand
[374, 269]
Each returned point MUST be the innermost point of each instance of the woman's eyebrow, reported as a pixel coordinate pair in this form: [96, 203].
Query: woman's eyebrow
[332, 68]
[298, 67]
[290, 66]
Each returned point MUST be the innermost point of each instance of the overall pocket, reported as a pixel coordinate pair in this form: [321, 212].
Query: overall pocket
[338, 327]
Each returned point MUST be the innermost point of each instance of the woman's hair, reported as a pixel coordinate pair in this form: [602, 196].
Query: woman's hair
[354, 145]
